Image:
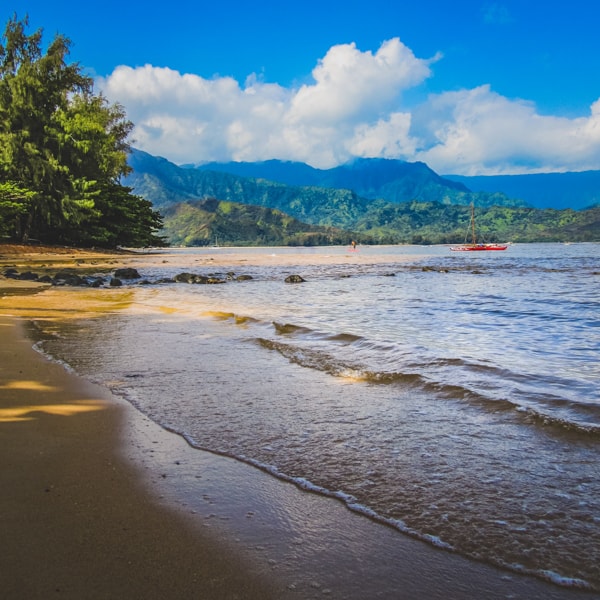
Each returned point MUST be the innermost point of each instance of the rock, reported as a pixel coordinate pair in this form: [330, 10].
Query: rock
[28, 276]
[68, 278]
[127, 273]
[294, 279]
[115, 282]
[243, 278]
[190, 278]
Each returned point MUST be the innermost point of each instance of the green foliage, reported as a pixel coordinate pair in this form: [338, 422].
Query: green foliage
[200, 222]
[14, 203]
[65, 149]
[436, 223]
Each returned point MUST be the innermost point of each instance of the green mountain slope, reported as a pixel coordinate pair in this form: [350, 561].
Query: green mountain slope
[371, 178]
[201, 222]
[329, 203]
[368, 220]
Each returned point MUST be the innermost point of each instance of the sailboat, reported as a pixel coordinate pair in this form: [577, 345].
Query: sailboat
[474, 246]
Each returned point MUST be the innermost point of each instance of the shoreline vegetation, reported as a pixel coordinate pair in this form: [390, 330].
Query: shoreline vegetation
[100, 502]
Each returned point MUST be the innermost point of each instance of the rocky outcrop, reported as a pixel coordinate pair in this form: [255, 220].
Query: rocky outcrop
[294, 279]
[70, 277]
[195, 278]
[127, 273]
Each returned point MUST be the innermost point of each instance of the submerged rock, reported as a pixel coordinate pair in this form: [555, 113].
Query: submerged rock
[194, 278]
[127, 273]
[68, 278]
[294, 279]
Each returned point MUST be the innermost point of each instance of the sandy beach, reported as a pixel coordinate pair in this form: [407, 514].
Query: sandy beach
[100, 502]
[75, 520]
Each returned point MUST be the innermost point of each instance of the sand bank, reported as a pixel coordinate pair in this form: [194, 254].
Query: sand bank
[99, 502]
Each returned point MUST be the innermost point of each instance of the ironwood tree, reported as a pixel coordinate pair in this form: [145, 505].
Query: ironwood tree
[63, 151]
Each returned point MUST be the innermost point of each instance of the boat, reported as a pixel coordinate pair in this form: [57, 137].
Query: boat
[475, 246]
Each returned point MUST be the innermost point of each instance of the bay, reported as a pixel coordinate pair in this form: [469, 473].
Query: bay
[453, 397]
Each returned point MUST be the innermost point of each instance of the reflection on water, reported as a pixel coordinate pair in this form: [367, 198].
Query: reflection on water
[454, 397]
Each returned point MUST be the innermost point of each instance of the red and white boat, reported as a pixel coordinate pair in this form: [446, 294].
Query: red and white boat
[477, 247]
[474, 246]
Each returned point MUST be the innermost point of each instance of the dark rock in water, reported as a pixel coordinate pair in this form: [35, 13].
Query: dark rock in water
[294, 279]
[68, 278]
[165, 280]
[190, 278]
[114, 282]
[97, 282]
[193, 278]
[127, 273]
[45, 279]
[243, 278]
[28, 276]
[11, 273]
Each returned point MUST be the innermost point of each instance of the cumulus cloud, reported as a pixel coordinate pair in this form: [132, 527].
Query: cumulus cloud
[480, 132]
[354, 106]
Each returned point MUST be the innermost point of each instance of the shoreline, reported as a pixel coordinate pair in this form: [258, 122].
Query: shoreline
[108, 504]
[76, 519]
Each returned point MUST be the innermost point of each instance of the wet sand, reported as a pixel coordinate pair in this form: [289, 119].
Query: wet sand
[99, 502]
[76, 521]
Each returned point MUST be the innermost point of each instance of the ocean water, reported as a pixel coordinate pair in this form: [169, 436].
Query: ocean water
[454, 397]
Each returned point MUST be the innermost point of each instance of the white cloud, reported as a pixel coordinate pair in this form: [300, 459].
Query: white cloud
[480, 132]
[353, 107]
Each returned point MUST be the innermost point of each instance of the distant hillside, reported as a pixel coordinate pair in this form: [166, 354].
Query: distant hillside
[251, 211]
[163, 183]
[201, 222]
[371, 178]
[544, 190]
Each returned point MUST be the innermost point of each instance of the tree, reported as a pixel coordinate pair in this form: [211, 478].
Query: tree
[14, 203]
[66, 147]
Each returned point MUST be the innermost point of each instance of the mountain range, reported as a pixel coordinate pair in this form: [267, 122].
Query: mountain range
[578, 190]
[373, 200]
[399, 181]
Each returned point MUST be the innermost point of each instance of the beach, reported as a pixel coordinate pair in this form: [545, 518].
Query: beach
[100, 502]
[76, 521]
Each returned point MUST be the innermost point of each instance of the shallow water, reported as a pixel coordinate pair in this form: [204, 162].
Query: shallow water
[454, 397]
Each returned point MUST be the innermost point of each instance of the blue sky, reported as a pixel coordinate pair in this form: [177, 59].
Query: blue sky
[471, 86]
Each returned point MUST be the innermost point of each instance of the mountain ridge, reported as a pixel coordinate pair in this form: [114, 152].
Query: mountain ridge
[576, 190]
[437, 219]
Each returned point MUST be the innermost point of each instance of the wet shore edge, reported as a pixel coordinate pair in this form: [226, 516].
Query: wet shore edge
[100, 502]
